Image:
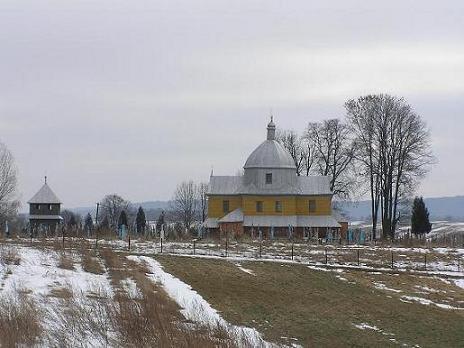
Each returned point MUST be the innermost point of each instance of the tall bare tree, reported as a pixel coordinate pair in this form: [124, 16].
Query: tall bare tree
[184, 204]
[202, 189]
[111, 207]
[333, 151]
[395, 152]
[299, 149]
[8, 184]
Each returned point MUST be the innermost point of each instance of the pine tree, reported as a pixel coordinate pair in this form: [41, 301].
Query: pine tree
[123, 219]
[160, 222]
[88, 224]
[420, 223]
[141, 221]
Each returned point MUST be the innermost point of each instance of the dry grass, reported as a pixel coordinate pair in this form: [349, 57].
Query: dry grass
[90, 262]
[20, 321]
[152, 319]
[317, 308]
[9, 255]
[65, 261]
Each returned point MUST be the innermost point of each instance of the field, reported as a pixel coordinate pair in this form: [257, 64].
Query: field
[55, 294]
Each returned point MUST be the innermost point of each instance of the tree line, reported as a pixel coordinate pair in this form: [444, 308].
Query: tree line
[381, 147]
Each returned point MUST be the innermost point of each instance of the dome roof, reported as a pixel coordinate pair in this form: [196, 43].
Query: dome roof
[270, 154]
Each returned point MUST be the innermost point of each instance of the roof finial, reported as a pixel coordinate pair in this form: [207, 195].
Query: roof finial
[271, 129]
[45, 180]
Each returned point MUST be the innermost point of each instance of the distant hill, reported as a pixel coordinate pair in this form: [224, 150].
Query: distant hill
[440, 208]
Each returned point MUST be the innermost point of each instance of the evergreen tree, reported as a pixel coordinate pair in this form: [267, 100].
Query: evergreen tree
[420, 223]
[160, 222]
[141, 221]
[123, 219]
[88, 224]
[72, 221]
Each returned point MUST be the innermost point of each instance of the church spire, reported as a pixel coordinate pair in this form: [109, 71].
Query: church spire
[271, 129]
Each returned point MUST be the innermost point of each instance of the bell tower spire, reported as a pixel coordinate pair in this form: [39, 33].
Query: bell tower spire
[271, 129]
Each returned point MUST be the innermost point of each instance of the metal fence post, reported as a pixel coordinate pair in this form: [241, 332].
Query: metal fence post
[292, 250]
[425, 261]
[358, 257]
[326, 257]
[392, 259]
[161, 243]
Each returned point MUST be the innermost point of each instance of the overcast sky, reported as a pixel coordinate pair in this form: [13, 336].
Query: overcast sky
[132, 97]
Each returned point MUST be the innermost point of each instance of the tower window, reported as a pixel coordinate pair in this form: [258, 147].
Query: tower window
[50, 207]
[37, 206]
[259, 207]
[225, 206]
[312, 206]
[278, 206]
[269, 178]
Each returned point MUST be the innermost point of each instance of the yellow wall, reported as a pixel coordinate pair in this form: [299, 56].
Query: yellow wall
[215, 205]
[323, 205]
[291, 205]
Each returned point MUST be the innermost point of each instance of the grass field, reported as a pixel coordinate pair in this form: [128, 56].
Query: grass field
[292, 303]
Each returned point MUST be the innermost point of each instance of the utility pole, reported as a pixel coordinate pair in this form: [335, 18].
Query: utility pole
[96, 227]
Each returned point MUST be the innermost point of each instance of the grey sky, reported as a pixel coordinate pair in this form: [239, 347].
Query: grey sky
[133, 96]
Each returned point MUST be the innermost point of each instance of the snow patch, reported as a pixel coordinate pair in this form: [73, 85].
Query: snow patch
[196, 308]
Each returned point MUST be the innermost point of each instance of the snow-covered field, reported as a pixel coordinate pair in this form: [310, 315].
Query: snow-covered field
[56, 292]
[58, 289]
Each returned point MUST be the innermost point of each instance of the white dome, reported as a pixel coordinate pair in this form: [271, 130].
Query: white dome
[270, 154]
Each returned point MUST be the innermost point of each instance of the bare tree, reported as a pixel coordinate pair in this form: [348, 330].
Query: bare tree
[395, 152]
[333, 151]
[8, 184]
[202, 189]
[111, 208]
[184, 204]
[299, 149]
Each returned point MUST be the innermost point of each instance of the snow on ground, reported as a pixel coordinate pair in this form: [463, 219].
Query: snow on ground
[365, 326]
[382, 286]
[246, 270]
[38, 275]
[196, 308]
[424, 301]
[459, 282]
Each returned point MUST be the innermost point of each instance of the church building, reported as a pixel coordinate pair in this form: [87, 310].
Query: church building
[270, 200]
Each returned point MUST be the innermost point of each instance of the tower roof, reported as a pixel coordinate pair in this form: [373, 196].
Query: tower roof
[270, 154]
[45, 196]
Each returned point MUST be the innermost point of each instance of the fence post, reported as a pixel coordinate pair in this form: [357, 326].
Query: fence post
[358, 257]
[194, 246]
[425, 261]
[392, 265]
[260, 248]
[326, 258]
[129, 241]
[227, 244]
[161, 243]
[292, 250]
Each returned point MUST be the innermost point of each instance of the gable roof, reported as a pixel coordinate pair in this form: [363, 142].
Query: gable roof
[45, 196]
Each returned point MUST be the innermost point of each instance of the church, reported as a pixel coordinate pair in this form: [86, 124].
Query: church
[270, 200]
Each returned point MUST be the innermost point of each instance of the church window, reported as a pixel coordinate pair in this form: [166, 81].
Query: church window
[225, 206]
[259, 207]
[269, 178]
[312, 206]
[37, 206]
[50, 207]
